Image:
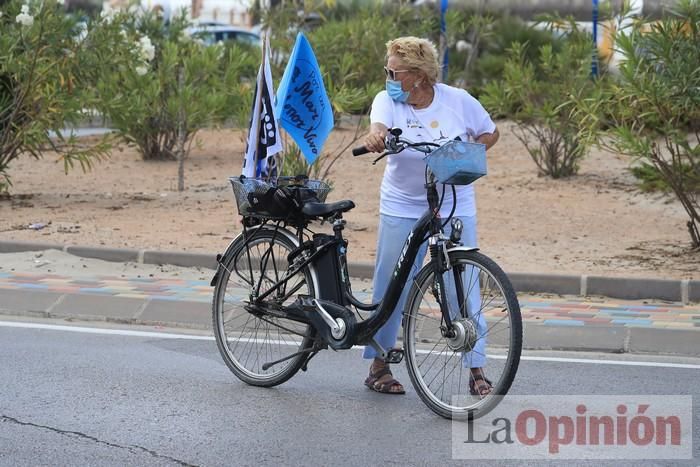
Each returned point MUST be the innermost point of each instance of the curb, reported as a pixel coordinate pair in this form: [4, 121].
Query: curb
[197, 315]
[683, 291]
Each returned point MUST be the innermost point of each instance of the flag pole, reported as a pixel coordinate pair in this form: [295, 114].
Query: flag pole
[258, 103]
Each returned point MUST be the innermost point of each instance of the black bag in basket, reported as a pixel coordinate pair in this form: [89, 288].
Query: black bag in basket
[275, 202]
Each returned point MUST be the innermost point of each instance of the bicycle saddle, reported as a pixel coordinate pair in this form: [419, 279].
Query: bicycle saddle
[313, 209]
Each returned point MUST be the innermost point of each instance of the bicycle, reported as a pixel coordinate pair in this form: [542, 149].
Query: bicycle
[283, 293]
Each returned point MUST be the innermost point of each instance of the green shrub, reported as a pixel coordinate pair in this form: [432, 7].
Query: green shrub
[174, 87]
[45, 82]
[651, 110]
[651, 179]
[479, 43]
[540, 96]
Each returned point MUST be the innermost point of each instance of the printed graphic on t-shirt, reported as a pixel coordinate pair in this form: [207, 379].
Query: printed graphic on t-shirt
[442, 139]
[413, 123]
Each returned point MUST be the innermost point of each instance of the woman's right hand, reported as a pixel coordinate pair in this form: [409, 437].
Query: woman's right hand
[374, 141]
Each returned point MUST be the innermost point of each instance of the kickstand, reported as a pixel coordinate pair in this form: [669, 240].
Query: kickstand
[311, 355]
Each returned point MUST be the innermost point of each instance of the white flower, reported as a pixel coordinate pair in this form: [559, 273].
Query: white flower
[148, 51]
[24, 17]
[463, 46]
[107, 14]
[82, 33]
[141, 70]
[0, 14]
[61, 2]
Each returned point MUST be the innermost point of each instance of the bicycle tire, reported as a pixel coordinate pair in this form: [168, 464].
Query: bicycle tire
[445, 390]
[245, 341]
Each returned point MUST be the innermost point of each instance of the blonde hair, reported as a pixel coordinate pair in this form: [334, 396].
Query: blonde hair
[416, 53]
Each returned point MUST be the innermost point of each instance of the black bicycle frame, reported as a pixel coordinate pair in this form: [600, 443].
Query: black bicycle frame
[429, 222]
[366, 329]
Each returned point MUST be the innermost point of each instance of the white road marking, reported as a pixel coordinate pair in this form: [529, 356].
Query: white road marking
[165, 335]
[610, 362]
[114, 332]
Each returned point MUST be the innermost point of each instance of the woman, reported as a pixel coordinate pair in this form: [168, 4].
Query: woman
[425, 111]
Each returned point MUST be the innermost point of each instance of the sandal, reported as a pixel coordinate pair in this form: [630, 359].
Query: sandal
[390, 386]
[480, 385]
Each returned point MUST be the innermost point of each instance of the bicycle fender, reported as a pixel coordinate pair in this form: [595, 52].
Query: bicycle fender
[235, 243]
[463, 248]
[221, 257]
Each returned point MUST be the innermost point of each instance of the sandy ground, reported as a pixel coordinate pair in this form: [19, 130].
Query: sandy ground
[56, 262]
[596, 223]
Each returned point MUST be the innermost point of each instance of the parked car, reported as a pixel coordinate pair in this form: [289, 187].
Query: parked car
[213, 33]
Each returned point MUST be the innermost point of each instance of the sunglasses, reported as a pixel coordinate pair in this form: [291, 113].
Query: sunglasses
[391, 74]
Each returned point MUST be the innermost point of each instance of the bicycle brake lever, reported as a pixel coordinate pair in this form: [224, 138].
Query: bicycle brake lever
[380, 158]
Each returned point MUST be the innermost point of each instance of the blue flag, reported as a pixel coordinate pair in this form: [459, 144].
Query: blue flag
[303, 108]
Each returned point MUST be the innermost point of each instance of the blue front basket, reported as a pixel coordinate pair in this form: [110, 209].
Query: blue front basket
[458, 162]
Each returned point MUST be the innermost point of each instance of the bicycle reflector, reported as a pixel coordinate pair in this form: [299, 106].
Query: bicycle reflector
[458, 162]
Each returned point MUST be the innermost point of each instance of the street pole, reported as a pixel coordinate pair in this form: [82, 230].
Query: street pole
[444, 58]
[181, 134]
[594, 63]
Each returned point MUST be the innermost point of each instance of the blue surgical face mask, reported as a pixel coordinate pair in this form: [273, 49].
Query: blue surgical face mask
[393, 88]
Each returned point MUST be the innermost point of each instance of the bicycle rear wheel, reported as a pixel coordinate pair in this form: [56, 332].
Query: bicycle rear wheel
[487, 317]
[247, 341]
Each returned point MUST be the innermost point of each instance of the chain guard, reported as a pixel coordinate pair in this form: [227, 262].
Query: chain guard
[309, 310]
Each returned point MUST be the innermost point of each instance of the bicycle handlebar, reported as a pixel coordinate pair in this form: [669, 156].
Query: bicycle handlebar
[394, 144]
[360, 150]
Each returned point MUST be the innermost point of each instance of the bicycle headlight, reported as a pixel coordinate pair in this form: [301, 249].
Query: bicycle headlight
[457, 227]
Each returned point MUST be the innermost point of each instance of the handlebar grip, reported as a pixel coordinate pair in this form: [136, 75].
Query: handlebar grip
[360, 151]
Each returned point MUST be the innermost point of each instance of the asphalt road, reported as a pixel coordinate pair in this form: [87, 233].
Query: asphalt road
[76, 398]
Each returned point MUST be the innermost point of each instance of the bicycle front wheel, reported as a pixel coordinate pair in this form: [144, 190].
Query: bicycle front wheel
[486, 337]
[246, 341]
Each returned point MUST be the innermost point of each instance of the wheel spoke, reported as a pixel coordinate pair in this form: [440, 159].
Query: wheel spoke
[440, 367]
[248, 341]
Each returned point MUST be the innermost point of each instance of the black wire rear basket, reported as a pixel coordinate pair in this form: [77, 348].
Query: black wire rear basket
[282, 198]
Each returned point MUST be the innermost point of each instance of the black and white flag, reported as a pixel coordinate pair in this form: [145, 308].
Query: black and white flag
[263, 136]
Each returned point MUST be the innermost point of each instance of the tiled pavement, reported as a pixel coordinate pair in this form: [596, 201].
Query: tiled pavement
[547, 310]
[551, 321]
[161, 289]
[591, 311]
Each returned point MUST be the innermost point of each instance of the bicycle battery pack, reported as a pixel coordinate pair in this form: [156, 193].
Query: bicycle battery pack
[327, 267]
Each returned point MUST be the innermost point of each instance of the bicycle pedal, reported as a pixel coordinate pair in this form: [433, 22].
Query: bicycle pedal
[394, 356]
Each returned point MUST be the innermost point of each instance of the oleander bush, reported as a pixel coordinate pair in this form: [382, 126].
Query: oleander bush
[175, 87]
[479, 43]
[651, 109]
[47, 60]
[540, 96]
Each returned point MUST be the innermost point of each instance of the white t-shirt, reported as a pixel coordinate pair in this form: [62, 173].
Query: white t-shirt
[453, 113]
